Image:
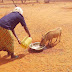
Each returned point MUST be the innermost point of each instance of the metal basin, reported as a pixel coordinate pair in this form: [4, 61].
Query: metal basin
[36, 46]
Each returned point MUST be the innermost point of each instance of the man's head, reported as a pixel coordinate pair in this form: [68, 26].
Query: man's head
[18, 9]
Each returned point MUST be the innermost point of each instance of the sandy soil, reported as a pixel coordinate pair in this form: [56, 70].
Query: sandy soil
[41, 18]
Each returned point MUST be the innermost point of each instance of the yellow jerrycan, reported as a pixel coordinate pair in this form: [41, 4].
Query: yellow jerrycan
[26, 42]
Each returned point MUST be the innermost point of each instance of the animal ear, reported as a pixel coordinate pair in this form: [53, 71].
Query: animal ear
[42, 36]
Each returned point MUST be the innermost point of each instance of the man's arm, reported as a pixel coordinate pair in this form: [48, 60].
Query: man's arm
[27, 31]
[16, 36]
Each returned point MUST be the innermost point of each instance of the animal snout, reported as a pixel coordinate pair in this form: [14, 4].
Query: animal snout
[42, 44]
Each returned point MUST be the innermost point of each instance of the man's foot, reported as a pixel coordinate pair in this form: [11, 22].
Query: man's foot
[9, 53]
[13, 56]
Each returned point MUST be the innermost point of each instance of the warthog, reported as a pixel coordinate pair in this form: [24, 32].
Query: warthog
[50, 35]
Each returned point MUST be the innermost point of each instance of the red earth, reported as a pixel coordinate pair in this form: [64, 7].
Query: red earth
[40, 18]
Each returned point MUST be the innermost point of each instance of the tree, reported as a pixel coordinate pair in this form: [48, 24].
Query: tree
[22, 1]
[37, 1]
[2, 0]
[46, 1]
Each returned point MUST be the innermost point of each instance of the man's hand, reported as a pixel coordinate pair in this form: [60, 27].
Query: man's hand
[29, 35]
[19, 41]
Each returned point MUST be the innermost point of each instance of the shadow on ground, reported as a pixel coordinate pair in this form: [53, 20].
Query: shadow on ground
[5, 59]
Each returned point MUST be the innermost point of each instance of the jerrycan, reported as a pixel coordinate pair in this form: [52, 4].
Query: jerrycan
[26, 42]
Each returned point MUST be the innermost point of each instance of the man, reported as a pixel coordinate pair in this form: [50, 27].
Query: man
[7, 25]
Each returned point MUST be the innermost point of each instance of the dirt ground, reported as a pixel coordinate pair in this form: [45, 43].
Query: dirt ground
[40, 18]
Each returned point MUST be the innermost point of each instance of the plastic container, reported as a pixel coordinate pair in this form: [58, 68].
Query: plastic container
[26, 42]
